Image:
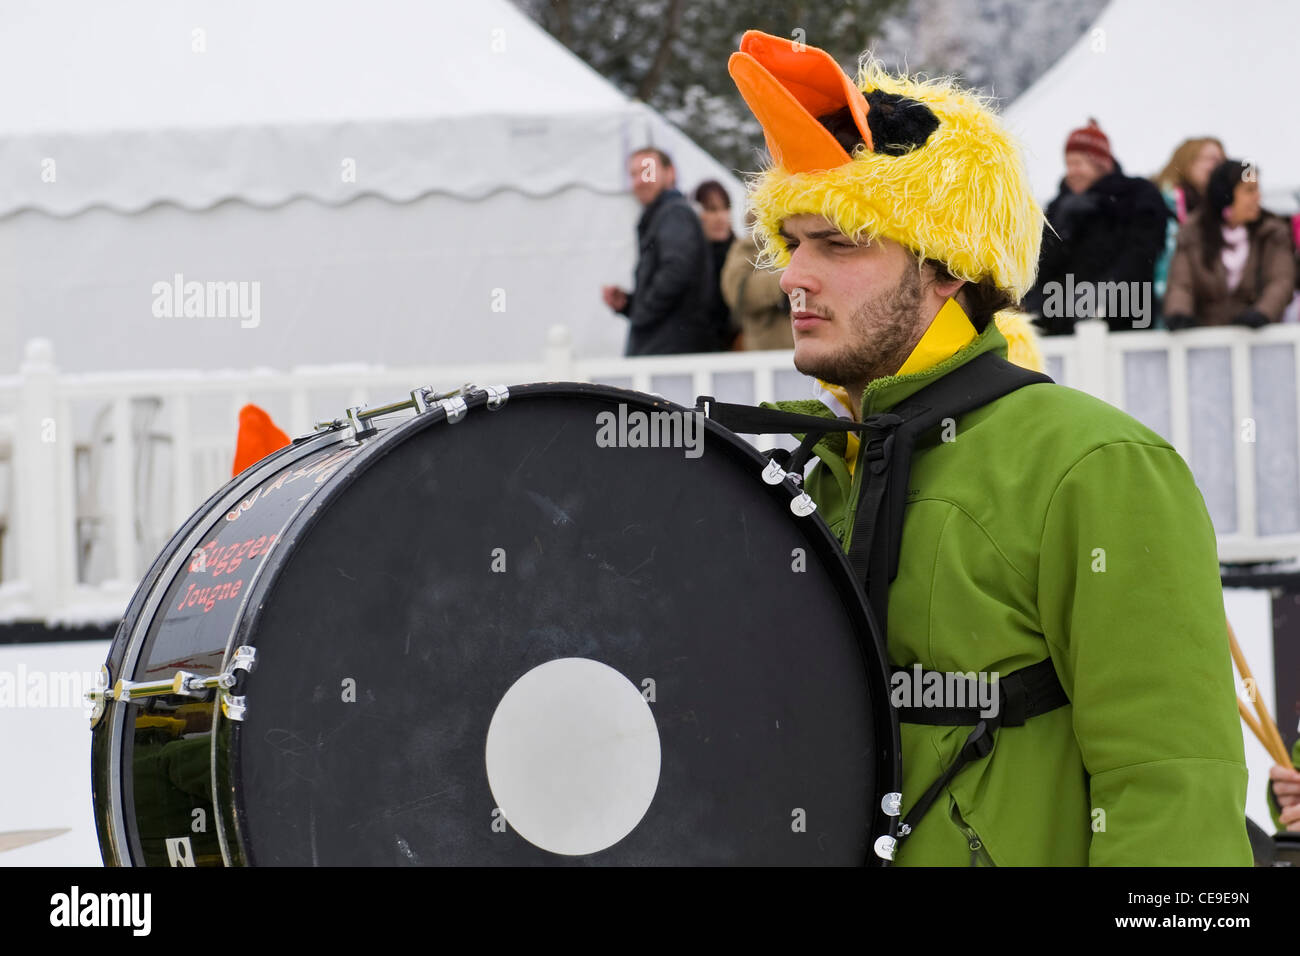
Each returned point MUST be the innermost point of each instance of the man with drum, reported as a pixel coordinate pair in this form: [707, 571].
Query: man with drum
[1045, 526]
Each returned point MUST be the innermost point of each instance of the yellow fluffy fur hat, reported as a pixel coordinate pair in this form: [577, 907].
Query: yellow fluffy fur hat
[935, 170]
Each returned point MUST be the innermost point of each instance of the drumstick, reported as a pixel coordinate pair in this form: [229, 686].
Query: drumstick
[1268, 733]
[1253, 724]
[1267, 726]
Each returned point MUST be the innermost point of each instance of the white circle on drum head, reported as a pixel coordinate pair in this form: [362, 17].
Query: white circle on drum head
[573, 756]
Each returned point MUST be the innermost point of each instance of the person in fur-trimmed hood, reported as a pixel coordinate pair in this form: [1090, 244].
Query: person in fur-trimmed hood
[1050, 527]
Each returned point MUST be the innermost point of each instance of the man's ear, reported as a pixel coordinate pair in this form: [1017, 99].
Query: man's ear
[949, 289]
[945, 289]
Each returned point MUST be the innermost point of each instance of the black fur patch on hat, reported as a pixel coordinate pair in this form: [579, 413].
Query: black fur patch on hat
[898, 124]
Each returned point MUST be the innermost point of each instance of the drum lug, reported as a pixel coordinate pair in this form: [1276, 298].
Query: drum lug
[455, 408]
[98, 697]
[361, 425]
[803, 505]
[885, 847]
[891, 803]
[497, 395]
[231, 706]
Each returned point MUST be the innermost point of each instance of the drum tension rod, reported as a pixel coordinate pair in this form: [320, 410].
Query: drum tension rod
[453, 404]
[182, 684]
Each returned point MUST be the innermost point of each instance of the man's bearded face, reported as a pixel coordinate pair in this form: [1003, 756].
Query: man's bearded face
[856, 308]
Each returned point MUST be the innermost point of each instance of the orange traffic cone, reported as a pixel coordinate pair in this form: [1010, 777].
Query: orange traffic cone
[258, 437]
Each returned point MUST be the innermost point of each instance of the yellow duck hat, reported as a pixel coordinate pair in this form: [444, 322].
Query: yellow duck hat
[936, 171]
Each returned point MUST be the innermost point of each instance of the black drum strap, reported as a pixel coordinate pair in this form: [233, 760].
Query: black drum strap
[887, 458]
[1022, 694]
[1025, 693]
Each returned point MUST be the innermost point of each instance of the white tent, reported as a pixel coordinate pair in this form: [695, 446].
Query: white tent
[1154, 74]
[400, 181]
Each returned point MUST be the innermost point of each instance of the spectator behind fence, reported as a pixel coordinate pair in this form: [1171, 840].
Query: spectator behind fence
[715, 218]
[1103, 227]
[668, 309]
[1234, 263]
[758, 304]
[1292, 312]
[1182, 182]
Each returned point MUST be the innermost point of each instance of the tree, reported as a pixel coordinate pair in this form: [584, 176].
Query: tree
[672, 54]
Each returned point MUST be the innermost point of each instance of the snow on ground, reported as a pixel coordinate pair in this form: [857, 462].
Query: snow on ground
[45, 750]
[45, 755]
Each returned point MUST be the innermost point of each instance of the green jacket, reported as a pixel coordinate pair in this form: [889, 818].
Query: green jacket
[1055, 525]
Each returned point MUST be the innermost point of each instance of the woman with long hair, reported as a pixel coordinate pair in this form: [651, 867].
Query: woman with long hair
[1234, 263]
[1182, 183]
[1187, 173]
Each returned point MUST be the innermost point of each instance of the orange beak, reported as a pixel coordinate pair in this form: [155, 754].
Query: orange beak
[789, 85]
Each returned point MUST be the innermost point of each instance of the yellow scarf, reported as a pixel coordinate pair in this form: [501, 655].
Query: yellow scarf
[949, 333]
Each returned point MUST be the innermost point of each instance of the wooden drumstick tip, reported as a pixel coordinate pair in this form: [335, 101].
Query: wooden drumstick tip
[1253, 724]
[1266, 730]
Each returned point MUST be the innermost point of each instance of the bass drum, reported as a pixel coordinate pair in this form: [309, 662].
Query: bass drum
[555, 624]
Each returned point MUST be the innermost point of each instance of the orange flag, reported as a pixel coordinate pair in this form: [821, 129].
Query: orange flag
[258, 437]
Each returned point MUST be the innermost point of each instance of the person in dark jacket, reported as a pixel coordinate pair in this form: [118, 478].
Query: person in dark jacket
[715, 218]
[668, 310]
[1234, 264]
[1103, 228]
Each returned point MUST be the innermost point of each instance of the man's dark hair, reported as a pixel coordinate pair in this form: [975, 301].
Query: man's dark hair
[664, 159]
[980, 300]
[898, 124]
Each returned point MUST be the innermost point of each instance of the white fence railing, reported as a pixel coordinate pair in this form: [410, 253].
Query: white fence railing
[100, 468]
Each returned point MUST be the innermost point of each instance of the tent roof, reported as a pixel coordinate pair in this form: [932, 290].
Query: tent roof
[463, 98]
[1155, 74]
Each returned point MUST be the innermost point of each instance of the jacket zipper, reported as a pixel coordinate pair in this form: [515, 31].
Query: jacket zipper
[979, 855]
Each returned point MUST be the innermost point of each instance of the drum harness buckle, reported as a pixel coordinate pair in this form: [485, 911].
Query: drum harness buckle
[182, 684]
